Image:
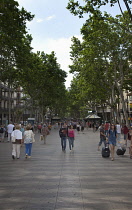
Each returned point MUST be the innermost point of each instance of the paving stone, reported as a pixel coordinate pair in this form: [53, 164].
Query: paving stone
[54, 180]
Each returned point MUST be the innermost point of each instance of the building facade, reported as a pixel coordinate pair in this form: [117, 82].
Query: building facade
[11, 104]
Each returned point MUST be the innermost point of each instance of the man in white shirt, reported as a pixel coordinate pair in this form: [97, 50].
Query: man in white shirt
[10, 128]
[118, 129]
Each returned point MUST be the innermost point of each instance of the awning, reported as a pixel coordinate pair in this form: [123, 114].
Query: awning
[93, 116]
[56, 118]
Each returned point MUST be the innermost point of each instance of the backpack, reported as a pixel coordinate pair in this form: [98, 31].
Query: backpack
[1, 130]
[63, 132]
[129, 136]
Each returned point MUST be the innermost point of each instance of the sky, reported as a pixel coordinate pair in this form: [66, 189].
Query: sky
[53, 27]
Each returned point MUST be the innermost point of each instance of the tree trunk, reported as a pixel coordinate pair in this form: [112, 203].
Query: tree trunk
[117, 115]
[124, 106]
[103, 113]
[113, 108]
[128, 9]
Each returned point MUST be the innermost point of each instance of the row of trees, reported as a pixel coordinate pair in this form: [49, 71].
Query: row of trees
[102, 62]
[39, 74]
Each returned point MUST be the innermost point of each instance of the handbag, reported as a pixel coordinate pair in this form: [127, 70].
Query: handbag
[13, 139]
[47, 132]
[41, 137]
[33, 138]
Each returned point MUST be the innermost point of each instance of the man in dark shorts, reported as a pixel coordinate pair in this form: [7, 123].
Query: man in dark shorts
[102, 136]
[63, 135]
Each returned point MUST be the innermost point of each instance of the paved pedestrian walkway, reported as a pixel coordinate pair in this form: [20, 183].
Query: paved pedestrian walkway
[54, 180]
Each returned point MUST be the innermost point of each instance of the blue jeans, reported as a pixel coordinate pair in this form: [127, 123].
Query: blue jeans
[102, 140]
[71, 142]
[63, 143]
[28, 148]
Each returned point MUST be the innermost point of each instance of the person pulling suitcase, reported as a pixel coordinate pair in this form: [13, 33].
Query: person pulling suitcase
[102, 136]
[112, 135]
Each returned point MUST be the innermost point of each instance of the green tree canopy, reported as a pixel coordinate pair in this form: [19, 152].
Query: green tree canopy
[103, 58]
[92, 6]
[14, 39]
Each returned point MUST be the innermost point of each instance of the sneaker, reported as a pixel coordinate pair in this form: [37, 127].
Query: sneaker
[29, 156]
[13, 157]
[26, 155]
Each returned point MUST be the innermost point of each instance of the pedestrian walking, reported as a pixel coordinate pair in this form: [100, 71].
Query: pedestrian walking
[96, 126]
[93, 126]
[125, 132]
[10, 128]
[6, 132]
[71, 137]
[2, 133]
[63, 136]
[87, 125]
[44, 132]
[39, 128]
[130, 142]
[28, 141]
[78, 127]
[102, 136]
[107, 127]
[16, 136]
[82, 127]
[22, 129]
[35, 128]
[50, 126]
[112, 135]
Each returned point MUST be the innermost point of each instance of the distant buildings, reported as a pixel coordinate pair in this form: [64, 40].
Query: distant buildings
[16, 107]
[108, 113]
[12, 104]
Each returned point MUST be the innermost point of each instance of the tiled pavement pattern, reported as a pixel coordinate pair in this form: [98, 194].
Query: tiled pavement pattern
[52, 179]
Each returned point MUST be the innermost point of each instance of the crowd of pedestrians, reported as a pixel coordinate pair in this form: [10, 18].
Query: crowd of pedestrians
[110, 134]
[19, 135]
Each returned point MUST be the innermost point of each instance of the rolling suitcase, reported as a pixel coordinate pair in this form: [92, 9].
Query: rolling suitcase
[106, 151]
[120, 151]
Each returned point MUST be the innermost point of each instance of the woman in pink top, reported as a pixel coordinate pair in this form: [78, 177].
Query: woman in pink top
[71, 136]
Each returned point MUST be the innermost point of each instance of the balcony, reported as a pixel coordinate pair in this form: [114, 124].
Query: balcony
[5, 110]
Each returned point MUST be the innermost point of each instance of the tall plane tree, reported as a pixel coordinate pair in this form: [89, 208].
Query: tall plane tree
[14, 40]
